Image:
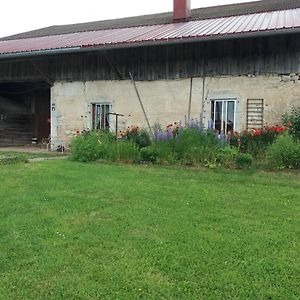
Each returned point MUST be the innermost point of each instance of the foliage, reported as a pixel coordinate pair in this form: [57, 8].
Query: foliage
[255, 141]
[160, 152]
[243, 160]
[292, 120]
[122, 151]
[87, 147]
[194, 146]
[102, 145]
[227, 157]
[285, 152]
[12, 159]
[139, 136]
[165, 152]
[230, 157]
[147, 232]
[149, 154]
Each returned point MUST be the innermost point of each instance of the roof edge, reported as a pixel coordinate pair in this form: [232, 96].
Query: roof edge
[100, 48]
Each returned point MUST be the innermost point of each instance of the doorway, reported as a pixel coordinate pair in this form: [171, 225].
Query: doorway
[24, 113]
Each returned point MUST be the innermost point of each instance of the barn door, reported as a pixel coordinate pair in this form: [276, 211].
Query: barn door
[16, 129]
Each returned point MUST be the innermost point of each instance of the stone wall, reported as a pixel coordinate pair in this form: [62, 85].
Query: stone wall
[167, 101]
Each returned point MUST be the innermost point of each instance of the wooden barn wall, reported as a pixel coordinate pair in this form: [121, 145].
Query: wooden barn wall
[265, 55]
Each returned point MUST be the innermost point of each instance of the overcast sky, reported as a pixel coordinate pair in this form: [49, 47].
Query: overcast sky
[24, 15]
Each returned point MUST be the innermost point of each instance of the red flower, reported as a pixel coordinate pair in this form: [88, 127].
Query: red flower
[256, 132]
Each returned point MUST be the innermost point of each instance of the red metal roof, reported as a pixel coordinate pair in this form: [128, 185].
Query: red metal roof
[228, 26]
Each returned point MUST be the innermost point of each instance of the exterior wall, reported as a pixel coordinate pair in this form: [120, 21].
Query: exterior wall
[166, 101]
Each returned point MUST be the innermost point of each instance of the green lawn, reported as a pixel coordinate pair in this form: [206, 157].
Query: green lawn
[95, 231]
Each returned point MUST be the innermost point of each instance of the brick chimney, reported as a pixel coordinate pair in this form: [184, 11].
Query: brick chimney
[182, 10]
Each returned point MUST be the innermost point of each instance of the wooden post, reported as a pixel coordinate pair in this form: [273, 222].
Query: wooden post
[141, 103]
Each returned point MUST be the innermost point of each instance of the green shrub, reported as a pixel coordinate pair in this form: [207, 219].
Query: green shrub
[227, 157]
[196, 147]
[292, 120]
[285, 152]
[243, 160]
[149, 154]
[253, 143]
[87, 147]
[143, 139]
[165, 152]
[138, 136]
[230, 157]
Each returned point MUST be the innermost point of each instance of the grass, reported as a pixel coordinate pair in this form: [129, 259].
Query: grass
[30, 155]
[97, 231]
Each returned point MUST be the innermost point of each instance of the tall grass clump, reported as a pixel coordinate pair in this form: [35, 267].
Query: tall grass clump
[126, 151]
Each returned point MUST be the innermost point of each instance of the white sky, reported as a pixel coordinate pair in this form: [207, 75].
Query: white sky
[24, 15]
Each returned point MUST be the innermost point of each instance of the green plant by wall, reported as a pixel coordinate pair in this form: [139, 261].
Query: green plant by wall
[139, 136]
[232, 158]
[285, 152]
[122, 151]
[226, 157]
[102, 145]
[193, 146]
[149, 154]
[255, 142]
[292, 121]
[87, 147]
[243, 160]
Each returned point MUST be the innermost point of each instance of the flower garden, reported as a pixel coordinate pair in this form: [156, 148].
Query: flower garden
[190, 144]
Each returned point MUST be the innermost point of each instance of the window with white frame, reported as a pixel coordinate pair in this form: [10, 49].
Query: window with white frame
[100, 116]
[223, 115]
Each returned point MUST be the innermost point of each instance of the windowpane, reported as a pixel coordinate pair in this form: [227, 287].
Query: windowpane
[223, 115]
[100, 117]
[218, 115]
[230, 116]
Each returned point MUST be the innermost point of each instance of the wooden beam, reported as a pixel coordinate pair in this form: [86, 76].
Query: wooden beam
[41, 72]
[113, 66]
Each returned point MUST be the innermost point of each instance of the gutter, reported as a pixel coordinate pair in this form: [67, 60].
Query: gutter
[125, 45]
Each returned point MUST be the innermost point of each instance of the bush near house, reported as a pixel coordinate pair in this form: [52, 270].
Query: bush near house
[139, 136]
[285, 152]
[256, 141]
[189, 145]
[86, 147]
[91, 146]
[230, 157]
[192, 145]
[292, 121]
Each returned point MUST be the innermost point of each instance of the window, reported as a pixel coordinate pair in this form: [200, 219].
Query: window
[223, 113]
[100, 116]
[255, 113]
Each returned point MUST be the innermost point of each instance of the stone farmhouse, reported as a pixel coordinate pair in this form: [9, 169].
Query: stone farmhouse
[235, 66]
